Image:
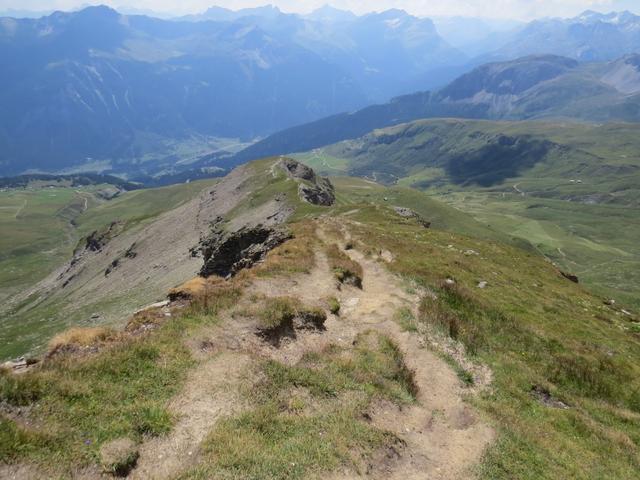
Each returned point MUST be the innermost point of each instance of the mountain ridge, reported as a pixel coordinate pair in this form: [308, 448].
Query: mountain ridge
[533, 87]
[215, 83]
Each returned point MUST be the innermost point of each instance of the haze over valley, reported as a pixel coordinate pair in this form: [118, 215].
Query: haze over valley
[389, 240]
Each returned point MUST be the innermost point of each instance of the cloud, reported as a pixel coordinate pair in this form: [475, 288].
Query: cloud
[517, 9]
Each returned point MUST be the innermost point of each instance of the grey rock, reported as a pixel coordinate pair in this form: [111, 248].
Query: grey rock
[225, 254]
[408, 213]
[312, 188]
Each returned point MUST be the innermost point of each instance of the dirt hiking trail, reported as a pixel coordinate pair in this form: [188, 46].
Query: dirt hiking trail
[443, 436]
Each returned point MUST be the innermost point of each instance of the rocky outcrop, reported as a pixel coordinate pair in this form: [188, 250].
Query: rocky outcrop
[312, 188]
[320, 193]
[226, 253]
[295, 169]
[408, 213]
[98, 239]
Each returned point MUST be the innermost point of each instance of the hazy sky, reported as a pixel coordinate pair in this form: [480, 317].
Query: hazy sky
[520, 9]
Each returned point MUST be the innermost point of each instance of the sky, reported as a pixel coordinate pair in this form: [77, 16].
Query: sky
[512, 9]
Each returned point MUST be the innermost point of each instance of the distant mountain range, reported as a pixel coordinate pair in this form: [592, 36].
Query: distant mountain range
[97, 86]
[588, 37]
[534, 87]
[386, 53]
[101, 91]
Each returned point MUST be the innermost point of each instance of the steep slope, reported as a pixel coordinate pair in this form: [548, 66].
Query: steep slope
[126, 261]
[365, 346]
[38, 216]
[536, 87]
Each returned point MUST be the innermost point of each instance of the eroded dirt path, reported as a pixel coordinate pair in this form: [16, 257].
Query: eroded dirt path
[210, 393]
[444, 437]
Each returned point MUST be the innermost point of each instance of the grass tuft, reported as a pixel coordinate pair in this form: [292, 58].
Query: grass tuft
[345, 269]
[76, 338]
[277, 314]
[334, 305]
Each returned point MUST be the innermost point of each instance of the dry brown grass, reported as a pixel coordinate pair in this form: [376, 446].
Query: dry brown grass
[189, 289]
[293, 256]
[152, 317]
[77, 338]
[218, 294]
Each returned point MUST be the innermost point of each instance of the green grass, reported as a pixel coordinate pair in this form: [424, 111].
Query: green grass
[406, 320]
[80, 403]
[36, 233]
[334, 305]
[140, 205]
[533, 328]
[84, 403]
[354, 192]
[278, 312]
[307, 419]
[581, 186]
[596, 242]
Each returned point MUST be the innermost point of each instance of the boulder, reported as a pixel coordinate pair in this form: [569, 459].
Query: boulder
[320, 193]
[312, 188]
[226, 253]
[295, 169]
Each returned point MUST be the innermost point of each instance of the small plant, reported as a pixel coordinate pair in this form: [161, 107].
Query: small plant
[466, 377]
[286, 313]
[334, 305]
[404, 317]
[278, 312]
